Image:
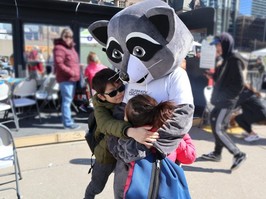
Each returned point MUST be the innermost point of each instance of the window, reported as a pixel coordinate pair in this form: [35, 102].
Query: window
[6, 53]
[38, 49]
[87, 44]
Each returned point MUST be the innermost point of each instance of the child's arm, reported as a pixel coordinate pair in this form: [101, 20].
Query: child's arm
[186, 152]
[171, 134]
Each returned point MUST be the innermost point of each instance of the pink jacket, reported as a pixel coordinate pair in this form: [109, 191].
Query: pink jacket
[91, 70]
[185, 152]
[66, 60]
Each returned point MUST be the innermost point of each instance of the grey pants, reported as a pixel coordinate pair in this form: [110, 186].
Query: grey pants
[220, 118]
[99, 177]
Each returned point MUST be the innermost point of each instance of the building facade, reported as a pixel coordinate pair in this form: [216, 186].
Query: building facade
[226, 14]
[259, 8]
[250, 33]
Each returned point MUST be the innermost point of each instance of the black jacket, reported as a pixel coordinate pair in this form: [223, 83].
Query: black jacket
[228, 77]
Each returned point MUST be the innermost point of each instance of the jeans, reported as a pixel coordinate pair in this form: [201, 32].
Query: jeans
[67, 90]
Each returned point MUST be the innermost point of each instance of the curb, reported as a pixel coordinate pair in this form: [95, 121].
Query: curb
[49, 139]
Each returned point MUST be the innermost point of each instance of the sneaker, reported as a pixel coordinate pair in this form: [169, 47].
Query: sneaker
[251, 138]
[238, 160]
[73, 126]
[245, 134]
[212, 156]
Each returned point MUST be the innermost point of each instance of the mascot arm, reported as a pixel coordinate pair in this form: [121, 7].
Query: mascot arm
[127, 150]
[174, 129]
[171, 133]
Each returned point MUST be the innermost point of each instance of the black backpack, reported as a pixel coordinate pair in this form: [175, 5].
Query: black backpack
[90, 134]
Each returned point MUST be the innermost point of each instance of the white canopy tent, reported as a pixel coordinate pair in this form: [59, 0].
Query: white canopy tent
[257, 53]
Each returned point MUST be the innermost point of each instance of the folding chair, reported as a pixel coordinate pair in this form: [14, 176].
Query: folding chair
[208, 107]
[8, 158]
[48, 92]
[6, 104]
[24, 96]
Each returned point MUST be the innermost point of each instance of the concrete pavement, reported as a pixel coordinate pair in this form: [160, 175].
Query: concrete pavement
[59, 171]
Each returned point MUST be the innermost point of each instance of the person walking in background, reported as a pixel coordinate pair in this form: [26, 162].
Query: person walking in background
[252, 111]
[67, 70]
[229, 82]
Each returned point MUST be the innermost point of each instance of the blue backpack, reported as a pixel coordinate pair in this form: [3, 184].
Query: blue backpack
[155, 177]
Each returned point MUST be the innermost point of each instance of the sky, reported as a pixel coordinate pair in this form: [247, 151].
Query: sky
[245, 7]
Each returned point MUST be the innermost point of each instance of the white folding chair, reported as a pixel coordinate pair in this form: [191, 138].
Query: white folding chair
[24, 96]
[6, 104]
[208, 107]
[8, 158]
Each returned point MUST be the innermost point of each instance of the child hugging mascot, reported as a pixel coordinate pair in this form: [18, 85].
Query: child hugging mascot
[147, 43]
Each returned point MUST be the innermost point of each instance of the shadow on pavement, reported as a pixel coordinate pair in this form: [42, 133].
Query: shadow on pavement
[206, 170]
[82, 161]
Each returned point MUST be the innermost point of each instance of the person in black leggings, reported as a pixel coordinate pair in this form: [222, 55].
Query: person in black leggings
[252, 111]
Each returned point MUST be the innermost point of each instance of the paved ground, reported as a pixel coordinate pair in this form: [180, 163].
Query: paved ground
[59, 171]
[50, 124]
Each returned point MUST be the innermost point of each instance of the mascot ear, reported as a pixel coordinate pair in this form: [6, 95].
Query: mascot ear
[98, 30]
[163, 19]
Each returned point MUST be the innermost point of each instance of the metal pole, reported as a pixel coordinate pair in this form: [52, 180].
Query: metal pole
[263, 39]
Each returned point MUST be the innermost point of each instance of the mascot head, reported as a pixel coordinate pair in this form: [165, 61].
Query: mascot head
[146, 40]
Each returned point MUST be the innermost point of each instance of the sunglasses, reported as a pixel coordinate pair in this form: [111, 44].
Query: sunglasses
[71, 37]
[114, 92]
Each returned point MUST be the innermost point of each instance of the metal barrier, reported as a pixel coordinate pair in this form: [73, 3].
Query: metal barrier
[254, 79]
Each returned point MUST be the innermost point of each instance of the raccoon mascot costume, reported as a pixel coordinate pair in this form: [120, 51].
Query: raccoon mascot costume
[147, 43]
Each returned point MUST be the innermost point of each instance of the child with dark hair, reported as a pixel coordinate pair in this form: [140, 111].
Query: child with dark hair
[109, 95]
[143, 110]
[110, 92]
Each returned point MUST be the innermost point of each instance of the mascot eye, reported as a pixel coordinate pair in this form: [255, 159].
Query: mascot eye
[117, 54]
[138, 51]
[114, 52]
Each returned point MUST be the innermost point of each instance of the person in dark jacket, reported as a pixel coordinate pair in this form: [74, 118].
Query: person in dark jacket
[229, 83]
[252, 111]
[67, 70]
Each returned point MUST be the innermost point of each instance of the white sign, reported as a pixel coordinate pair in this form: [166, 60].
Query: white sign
[207, 56]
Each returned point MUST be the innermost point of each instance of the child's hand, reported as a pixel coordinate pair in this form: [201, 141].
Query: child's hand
[143, 135]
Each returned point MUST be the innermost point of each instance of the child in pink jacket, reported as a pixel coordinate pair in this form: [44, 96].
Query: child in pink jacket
[185, 152]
